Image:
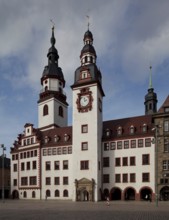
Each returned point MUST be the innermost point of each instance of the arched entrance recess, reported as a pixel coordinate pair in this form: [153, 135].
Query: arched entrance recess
[129, 193]
[84, 189]
[115, 193]
[15, 194]
[145, 193]
[164, 193]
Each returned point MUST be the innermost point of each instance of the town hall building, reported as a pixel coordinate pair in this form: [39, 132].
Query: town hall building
[92, 159]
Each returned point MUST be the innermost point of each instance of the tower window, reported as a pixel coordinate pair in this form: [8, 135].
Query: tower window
[60, 111]
[45, 110]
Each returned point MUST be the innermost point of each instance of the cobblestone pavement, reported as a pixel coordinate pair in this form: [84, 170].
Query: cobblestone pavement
[63, 210]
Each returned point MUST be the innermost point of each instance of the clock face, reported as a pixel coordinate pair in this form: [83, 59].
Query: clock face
[84, 101]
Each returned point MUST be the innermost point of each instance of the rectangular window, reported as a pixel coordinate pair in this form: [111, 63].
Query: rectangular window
[31, 153]
[15, 182]
[113, 146]
[106, 162]
[65, 165]
[35, 153]
[117, 178]
[166, 126]
[21, 155]
[148, 142]
[84, 165]
[24, 181]
[125, 177]
[56, 165]
[28, 154]
[84, 129]
[84, 145]
[34, 165]
[133, 143]
[140, 143]
[165, 164]
[64, 150]
[145, 177]
[69, 150]
[47, 165]
[126, 144]
[57, 180]
[32, 180]
[132, 177]
[106, 178]
[132, 161]
[28, 165]
[117, 161]
[44, 152]
[59, 151]
[54, 151]
[106, 146]
[119, 145]
[145, 159]
[49, 151]
[65, 180]
[22, 166]
[15, 167]
[166, 146]
[48, 182]
[125, 161]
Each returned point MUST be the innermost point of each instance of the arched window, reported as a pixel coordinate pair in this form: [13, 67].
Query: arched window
[45, 110]
[47, 193]
[33, 194]
[46, 88]
[57, 194]
[65, 193]
[61, 111]
[25, 194]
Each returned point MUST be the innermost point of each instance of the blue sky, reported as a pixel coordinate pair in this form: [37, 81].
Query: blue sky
[129, 36]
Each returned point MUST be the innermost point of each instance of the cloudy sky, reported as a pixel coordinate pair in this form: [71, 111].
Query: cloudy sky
[129, 36]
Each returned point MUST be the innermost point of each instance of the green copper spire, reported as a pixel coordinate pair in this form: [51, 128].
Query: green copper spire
[150, 79]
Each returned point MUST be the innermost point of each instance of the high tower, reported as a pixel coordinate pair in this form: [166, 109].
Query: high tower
[87, 124]
[150, 98]
[52, 105]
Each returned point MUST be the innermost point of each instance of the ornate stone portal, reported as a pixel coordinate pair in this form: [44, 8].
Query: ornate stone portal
[84, 189]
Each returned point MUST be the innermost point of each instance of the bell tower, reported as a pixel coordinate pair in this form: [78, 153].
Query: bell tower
[52, 105]
[150, 98]
[87, 124]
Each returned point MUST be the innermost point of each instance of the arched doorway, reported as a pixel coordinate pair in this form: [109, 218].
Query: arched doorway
[83, 195]
[115, 193]
[84, 189]
[15, 194]
[145, 193]
[164, 193]
[129, 194]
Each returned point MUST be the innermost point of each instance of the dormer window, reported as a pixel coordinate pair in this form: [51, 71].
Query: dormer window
[132, 129]
[119, 130]
[46, 139]
[56, 138]
[144, 128]
[108, 132]
[84, 75]
[66, 137]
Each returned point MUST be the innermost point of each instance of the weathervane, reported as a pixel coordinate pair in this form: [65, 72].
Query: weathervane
[88, 23]
[52, 23]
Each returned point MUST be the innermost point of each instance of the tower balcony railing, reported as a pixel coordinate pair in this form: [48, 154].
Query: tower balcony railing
[52, 89]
